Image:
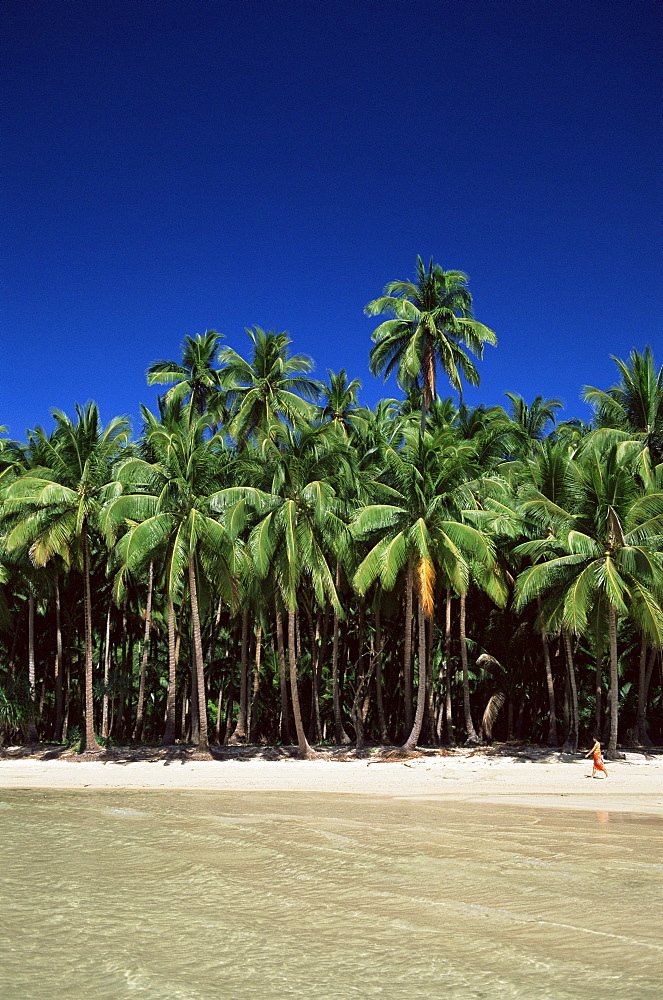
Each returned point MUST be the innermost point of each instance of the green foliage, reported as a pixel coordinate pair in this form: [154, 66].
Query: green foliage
[256, 487]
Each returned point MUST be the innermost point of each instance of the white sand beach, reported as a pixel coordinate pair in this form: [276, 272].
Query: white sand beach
[538, 777]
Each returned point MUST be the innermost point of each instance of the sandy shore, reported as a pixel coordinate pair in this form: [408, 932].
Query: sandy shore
[540, 778]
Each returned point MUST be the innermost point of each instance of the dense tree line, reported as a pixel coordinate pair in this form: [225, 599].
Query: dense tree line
[270, 560]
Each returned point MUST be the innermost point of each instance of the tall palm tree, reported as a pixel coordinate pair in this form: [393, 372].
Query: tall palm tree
[548, 472]
[603, 551]
[338, 402]
[635, 402]
[432, 323]
[56, 510]
[195, 380]
[529, 422]
[270, 388]
[169, 506]
[299, 532]
[422, 534]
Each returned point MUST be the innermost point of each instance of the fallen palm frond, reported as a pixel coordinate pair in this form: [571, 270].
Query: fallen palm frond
[495, 703]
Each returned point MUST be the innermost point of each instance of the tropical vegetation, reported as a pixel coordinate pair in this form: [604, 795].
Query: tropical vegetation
[269, 560]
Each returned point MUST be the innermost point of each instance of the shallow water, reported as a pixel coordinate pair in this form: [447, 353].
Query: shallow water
[201, 896]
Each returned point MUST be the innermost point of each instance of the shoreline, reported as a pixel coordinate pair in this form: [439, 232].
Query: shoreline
[540, 778]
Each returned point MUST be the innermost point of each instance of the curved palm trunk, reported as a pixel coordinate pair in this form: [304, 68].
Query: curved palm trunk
[360, 673]
[284, 728]
[379, 700]
[552, 711]
[644, 676]
[430, 735]
[469, 725]
[59, 706]
[315, 723]
[342, 737]
[219, 712]
[107, 660]
[138, 728]
[411, 742]
[252, 714]
[360, 682]
[240, 729]
[614, 679]
[598, 689]
[169, 732]
[571, 740]
[31, 734]
[407, 647]
[91, 744]
[203, 742]
[448, 716]
[428, 372]
[303, 744]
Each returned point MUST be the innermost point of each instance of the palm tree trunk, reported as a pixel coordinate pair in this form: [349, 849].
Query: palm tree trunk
[193, 732]
[571, 740]
[552, 712]
[314, 726]
[169, 732]
[407, 647]
[303, 744]
[429, 732]
[67, 698]
[185, 709]
[252, 718]
[219, 713]
[240, 728]
[472, 737]
[614, 679]
[428, 372]
[59, 707]
[644, 673]
[31, 646]
[138, 728]
[91, 744]
[127, 668]
[598, 688]
[360, 677]
[31, 734]
[107, 660]
[448, 716]
[411, 742]
[284, 728]
[203, 743]
[382, 722]
[342, 737]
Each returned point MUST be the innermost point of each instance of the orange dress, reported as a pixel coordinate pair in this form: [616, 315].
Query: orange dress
[598, 761]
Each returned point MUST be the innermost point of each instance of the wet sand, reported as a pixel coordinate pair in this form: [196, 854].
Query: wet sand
[540, 778]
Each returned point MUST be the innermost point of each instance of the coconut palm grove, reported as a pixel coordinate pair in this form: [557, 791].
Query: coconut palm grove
[268, 561]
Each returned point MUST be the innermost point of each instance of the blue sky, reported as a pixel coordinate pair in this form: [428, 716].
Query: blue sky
[172, 167]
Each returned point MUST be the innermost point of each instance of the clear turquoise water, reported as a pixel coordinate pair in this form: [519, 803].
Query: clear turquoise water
[201, 896]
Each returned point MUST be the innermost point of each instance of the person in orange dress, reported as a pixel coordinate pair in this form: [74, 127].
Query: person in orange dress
[599, 764]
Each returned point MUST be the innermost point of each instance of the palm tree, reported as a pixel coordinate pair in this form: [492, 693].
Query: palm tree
[635, 402]
[56, 510]
[196, 381]
[172, 518]
[338, 402]
[604, 551]
[270, 388]
[421, 534]
[432, 323]
[299, 532]
[548, 473]
[529, 422]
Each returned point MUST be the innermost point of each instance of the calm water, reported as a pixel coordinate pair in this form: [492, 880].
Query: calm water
[201, 896]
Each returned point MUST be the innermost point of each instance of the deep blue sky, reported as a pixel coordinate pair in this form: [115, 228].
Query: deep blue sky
[171, 167]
